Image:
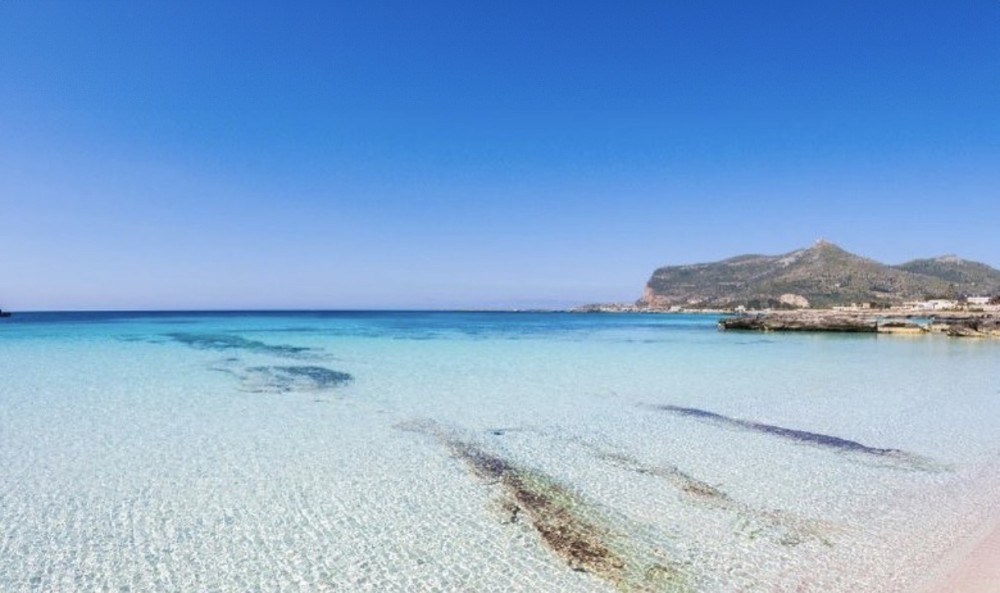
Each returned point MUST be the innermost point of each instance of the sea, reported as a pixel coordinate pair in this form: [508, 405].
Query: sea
[485, 452]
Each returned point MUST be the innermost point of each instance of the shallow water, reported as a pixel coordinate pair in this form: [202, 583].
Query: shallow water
[484, 452]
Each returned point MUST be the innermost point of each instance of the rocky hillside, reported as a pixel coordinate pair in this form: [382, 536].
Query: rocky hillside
[973, 277]
[822, 275]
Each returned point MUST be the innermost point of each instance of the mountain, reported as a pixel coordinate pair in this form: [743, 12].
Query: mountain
[973, 277]
[822, 275]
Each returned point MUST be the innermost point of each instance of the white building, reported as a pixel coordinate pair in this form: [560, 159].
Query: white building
[932, 305]
[978, 300]
[941, 304]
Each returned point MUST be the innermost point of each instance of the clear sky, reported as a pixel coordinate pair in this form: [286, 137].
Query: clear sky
[172, 154]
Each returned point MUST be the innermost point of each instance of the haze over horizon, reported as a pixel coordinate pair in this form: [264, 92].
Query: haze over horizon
[251, 155]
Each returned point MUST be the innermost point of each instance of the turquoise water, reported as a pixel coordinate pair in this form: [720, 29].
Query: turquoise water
[338, 452]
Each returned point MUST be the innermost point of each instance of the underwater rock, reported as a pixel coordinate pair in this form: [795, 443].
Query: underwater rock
[685, 483]
[788, 433]
[802, 436]
[286, 379]
[693, 487]
[227, 342]
[566, 524]
[784, 528]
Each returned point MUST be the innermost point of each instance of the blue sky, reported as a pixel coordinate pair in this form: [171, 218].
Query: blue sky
[460, 154]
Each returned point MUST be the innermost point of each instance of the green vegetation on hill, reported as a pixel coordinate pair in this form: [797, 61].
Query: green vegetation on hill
[822, 275]
[974, 277]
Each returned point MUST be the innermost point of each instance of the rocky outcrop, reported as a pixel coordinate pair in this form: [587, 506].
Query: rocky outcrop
[973, 326]
[808, 322]
[902, 328]
[794, 300]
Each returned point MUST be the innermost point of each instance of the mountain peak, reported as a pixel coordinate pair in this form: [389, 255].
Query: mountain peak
[824, 244]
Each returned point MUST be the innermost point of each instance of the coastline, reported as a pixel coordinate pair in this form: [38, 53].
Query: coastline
[887, 313]
[954, 324]
[963, 323]
[972, 569]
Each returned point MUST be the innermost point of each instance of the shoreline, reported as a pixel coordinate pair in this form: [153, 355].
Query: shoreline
[973, 569]
[965, 324]
[890, 312]
[905, 321]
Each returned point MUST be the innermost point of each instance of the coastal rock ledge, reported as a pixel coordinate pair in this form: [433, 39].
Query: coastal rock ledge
[973, 327]
[800, 322]
[982, 326]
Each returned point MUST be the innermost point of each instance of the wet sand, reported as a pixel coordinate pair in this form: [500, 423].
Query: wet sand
[977, 571]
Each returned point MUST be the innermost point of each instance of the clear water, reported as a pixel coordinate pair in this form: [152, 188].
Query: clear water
[191, 452]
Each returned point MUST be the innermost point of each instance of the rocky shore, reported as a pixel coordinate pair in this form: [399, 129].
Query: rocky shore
[970, 325]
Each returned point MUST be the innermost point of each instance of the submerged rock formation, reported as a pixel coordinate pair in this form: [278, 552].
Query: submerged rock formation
[568, 525]
[232, 342]
[286, 379]
[826, 441]
[282, 378]
[783, 528]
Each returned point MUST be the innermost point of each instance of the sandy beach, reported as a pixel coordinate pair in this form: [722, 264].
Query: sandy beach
[974, 571]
